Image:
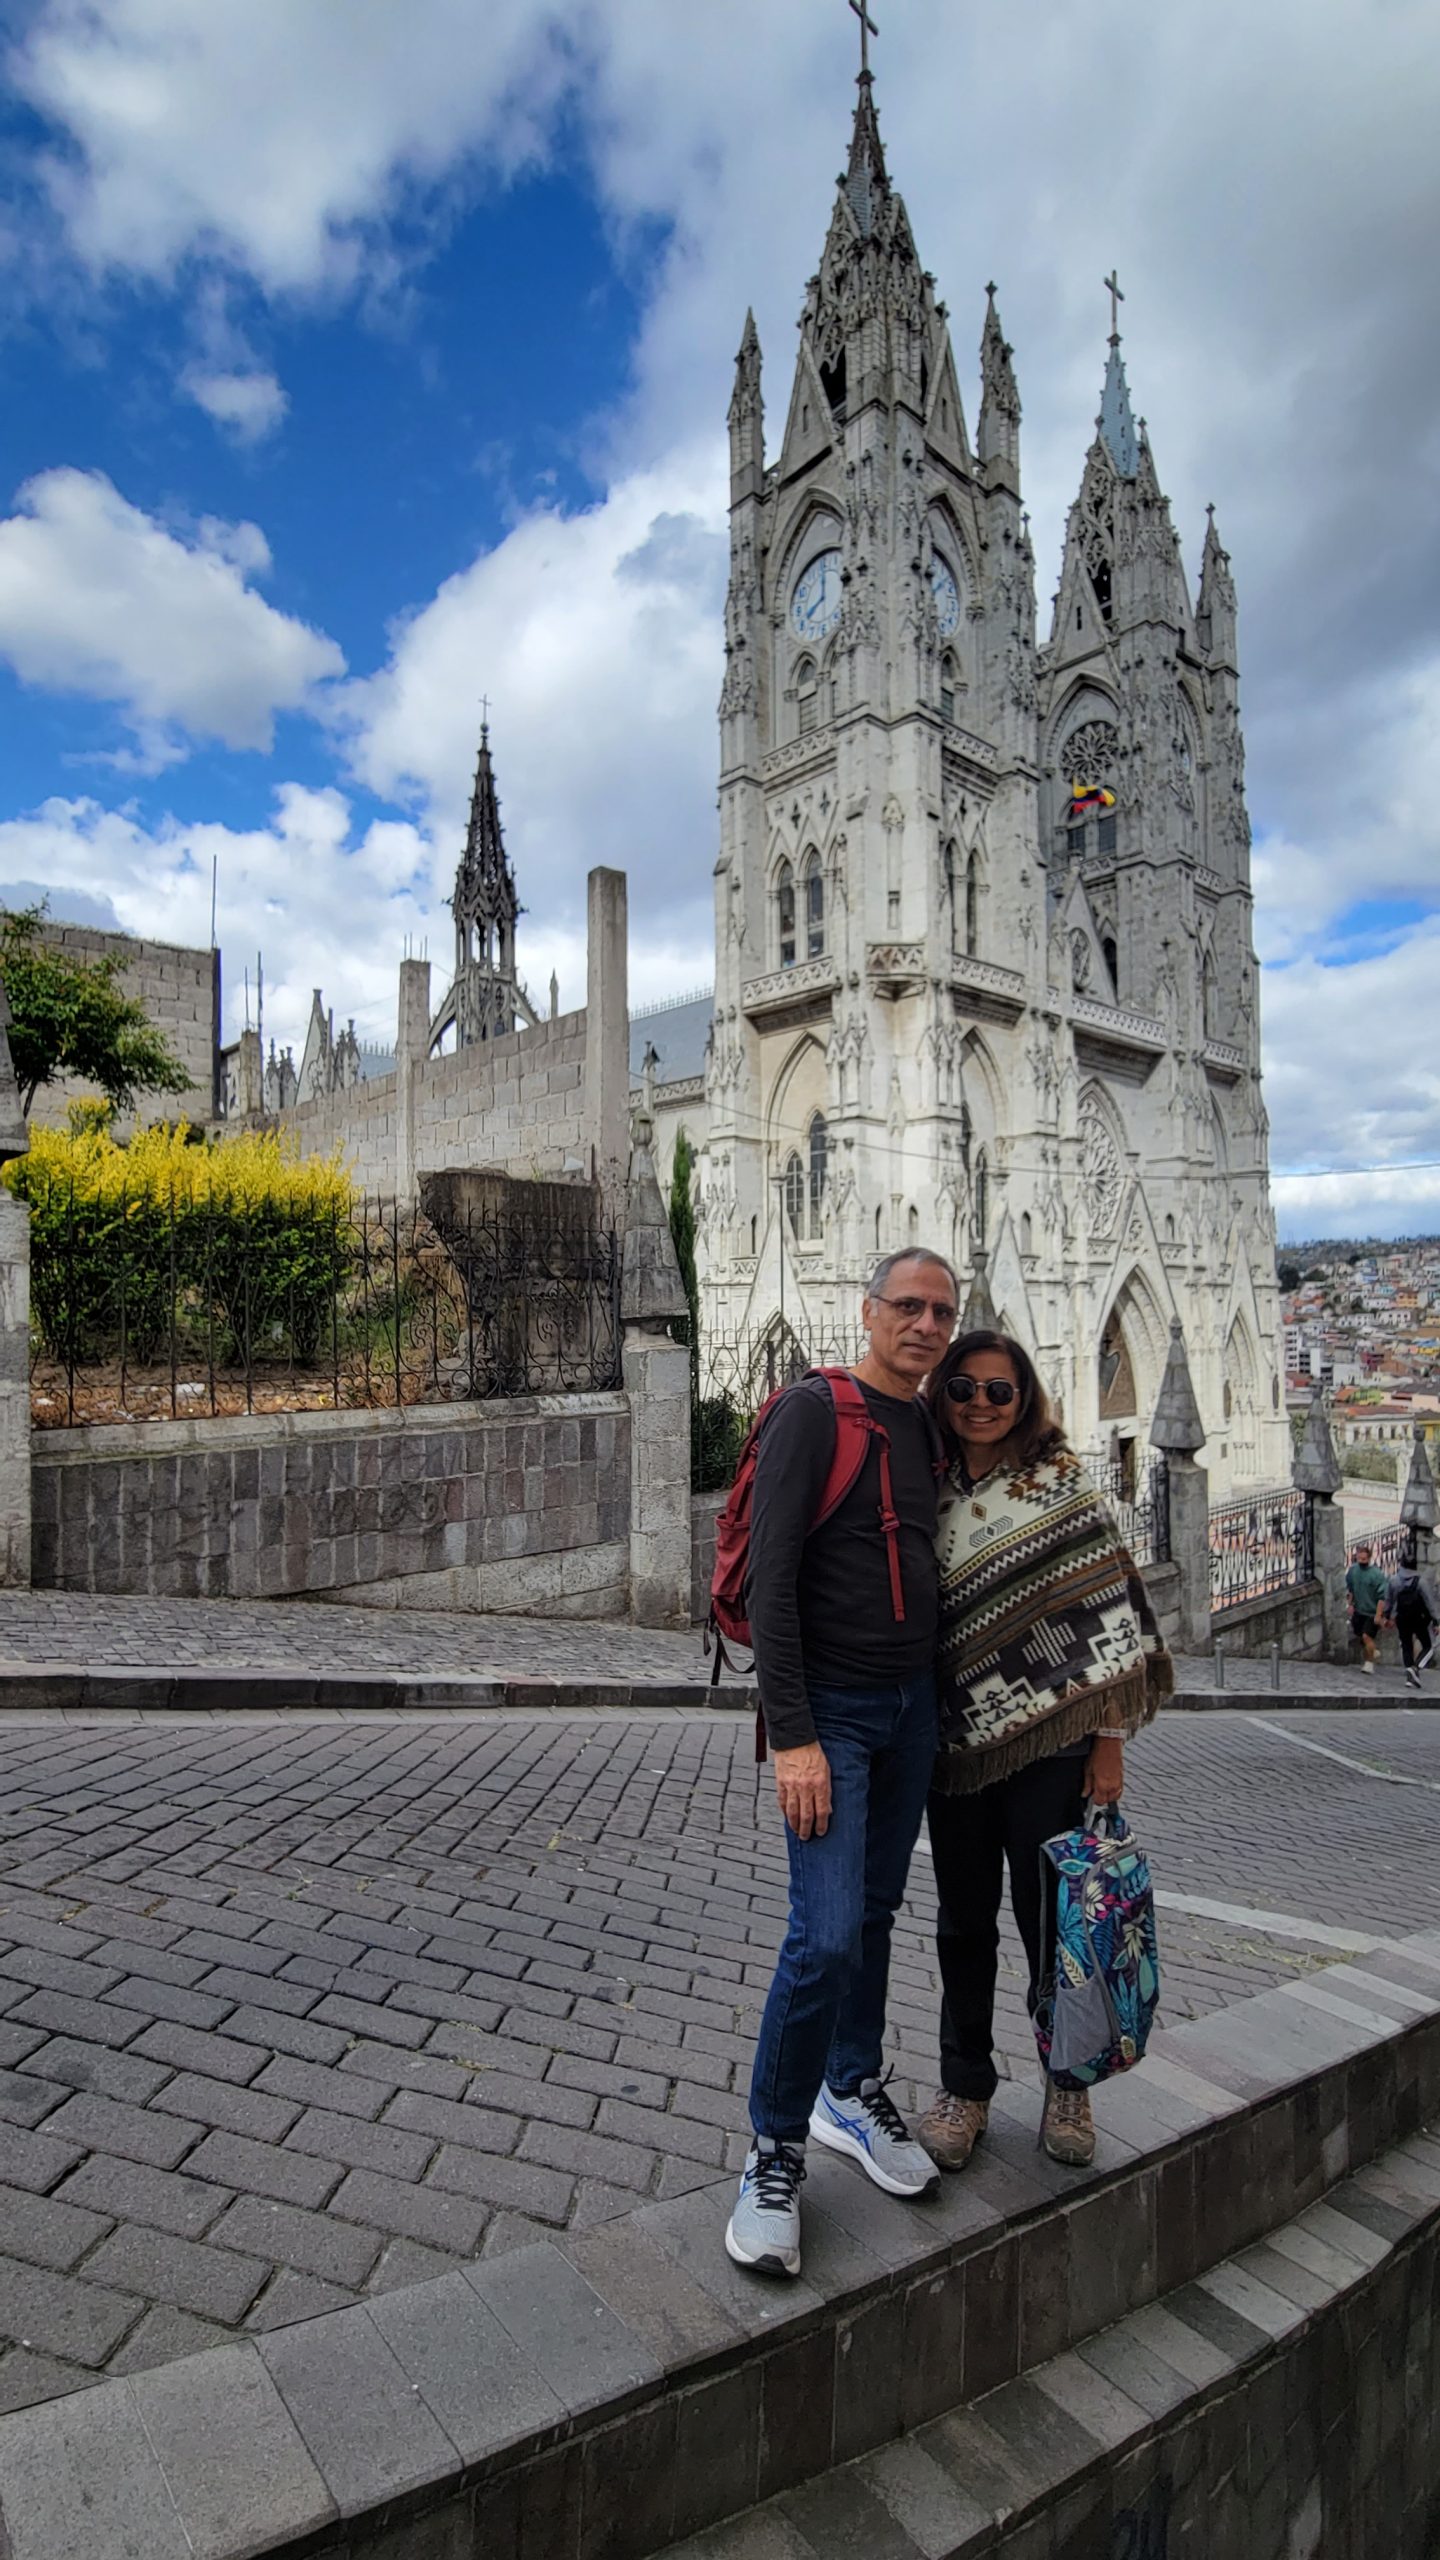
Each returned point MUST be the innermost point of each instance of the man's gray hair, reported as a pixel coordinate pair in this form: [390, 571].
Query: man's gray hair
[875, 1287]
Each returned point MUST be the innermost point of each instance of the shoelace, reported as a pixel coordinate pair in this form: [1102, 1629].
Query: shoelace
[954, 2110]
[779, 2176]
[1068, 2106]
[882, 2107]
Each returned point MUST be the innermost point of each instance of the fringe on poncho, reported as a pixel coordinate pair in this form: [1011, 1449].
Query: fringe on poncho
[1046, 1629]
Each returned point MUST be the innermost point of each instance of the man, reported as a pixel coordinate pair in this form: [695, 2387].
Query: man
[846, 1667]
[1366, 1585]
[1412, 1607]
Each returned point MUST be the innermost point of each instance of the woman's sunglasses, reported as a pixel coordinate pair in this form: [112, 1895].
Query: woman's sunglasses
[994, 1390]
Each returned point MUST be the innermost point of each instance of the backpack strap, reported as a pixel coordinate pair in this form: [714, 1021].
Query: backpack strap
[855, 1429]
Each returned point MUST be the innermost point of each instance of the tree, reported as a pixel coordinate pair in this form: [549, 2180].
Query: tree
[682, 1236]
[1288, 1276]
[69, 1017]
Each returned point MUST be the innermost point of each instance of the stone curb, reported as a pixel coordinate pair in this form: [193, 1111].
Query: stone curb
[609, 2391]
[98, 1689]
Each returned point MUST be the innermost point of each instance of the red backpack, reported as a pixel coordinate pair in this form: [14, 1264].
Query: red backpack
[855, 1429]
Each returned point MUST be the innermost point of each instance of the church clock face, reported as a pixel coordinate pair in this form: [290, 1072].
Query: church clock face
[946, 594]
[816, 604]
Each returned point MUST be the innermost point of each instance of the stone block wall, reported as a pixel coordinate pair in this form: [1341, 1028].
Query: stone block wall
[521, 1505]
[180, 990]
[1295, 1620]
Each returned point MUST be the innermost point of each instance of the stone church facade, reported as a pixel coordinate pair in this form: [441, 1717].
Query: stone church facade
[984, 970]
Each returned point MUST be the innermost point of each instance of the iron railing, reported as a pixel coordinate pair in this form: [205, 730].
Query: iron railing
[1386, 1545]
[237, 1310]
[1138, 1500]
[1258, 1545]
[734, 1375]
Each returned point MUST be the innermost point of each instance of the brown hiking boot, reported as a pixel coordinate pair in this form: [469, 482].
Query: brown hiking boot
[1067, 2128]
[952, 2127]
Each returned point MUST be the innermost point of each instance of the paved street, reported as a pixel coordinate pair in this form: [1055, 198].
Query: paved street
[294, 2009]
[57, 1629]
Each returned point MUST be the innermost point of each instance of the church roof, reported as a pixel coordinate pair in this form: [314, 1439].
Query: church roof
[678, 1031]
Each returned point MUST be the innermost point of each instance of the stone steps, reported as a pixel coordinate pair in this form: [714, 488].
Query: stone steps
[606, 2394]
[1285, 2405]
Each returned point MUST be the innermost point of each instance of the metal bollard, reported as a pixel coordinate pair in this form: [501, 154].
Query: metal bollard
[1219, 1666]
[1275, 1666]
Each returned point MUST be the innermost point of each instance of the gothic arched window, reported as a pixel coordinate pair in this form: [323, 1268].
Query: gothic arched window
[947, 687]
[807, 695]
[785, 914]
[814, 907]
[1111, 949]
[972, 907]
[819, 1169]
[795, 1194]
[981, 1218]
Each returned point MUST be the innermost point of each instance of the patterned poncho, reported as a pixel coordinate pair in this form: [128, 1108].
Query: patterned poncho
[1046, 1630]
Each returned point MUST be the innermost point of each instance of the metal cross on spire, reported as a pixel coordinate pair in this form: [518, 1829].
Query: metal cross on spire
[1112, 287]
[868, 29]
[485, 713]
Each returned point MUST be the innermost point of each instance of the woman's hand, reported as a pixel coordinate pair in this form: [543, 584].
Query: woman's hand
[1105, 1771]
[802, 1783]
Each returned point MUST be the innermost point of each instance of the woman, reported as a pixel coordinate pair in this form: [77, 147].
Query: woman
[1049, 1659]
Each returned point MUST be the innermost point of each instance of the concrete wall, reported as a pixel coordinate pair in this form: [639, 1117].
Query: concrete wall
[521, 1505]
[1294, 1619]
[516, 1104]
[180, 990]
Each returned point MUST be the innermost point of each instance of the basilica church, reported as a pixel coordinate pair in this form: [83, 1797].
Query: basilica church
[984, 970]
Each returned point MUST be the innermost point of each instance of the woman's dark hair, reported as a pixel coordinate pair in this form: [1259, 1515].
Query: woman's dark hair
[1036, 1430]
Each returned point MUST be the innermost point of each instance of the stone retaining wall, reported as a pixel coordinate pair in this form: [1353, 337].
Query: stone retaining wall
[521, 1506]
[180, 991]
[1295, 1620]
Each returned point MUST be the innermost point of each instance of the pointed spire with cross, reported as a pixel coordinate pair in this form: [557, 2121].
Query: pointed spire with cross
[868, 29]
[1112, 287]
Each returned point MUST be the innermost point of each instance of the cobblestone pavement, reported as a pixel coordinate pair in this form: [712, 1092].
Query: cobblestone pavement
[292, 2010]
[64, 1629]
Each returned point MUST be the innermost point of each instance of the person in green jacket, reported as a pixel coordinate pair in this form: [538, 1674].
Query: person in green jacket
[1366, 1585]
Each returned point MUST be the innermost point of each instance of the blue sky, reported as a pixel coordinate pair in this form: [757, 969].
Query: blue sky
[359, 362]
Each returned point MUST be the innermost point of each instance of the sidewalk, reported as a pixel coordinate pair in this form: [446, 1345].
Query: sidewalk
[69, 1650]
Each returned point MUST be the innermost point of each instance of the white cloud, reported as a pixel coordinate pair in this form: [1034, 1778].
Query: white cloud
[248, 406]
[272, 137]
[1352, 1079]
[97, 598]
[597, 637]
[318, 897]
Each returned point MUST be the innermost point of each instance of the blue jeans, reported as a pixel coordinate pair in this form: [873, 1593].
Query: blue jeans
[825, 2016]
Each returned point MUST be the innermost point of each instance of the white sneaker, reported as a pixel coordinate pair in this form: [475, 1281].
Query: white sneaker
[1369, 1670]
[764, 2229]
[1414, 1679]
[870, 2128]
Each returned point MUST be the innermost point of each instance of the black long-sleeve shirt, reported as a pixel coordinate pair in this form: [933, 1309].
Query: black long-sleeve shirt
[819, 1600]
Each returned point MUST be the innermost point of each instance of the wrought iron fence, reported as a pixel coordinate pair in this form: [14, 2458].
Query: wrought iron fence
[1386, 1545]
[239, 1310]
[1262, 1544]
[1138, 1499]
[736, 1372]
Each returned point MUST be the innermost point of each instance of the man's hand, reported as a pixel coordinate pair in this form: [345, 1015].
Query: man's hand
[802, 1783]
[1105, 1771]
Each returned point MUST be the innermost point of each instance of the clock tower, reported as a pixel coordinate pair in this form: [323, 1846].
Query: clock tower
[984, 967]
[877, 783]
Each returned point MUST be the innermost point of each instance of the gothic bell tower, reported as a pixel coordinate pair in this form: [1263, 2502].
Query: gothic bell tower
[877, 782]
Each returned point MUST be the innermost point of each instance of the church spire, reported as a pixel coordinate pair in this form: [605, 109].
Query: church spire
[747, 417]
[867, 180]
[1215, 613]
[998, 442]
[1115, 422]
[484, 904]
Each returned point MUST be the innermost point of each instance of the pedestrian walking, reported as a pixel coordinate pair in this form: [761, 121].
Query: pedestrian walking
[1049, 1659]
[1365, 1584]
[1412, 1607]
[842, 1612]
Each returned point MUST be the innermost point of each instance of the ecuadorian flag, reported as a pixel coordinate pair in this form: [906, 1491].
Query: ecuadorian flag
[1086, 797]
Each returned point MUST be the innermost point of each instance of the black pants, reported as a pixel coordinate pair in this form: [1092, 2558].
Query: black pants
[1414, 1631]
[970, 1839]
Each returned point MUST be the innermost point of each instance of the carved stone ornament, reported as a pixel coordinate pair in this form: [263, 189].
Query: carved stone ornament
[1080, 958]
[1091, 754]
[1100, 1171]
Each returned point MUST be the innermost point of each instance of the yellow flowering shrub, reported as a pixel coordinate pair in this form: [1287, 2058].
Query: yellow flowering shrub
[240, 1232]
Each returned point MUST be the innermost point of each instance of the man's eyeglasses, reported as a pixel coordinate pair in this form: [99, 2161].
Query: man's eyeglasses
[909, 1309]
[994, 1390]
